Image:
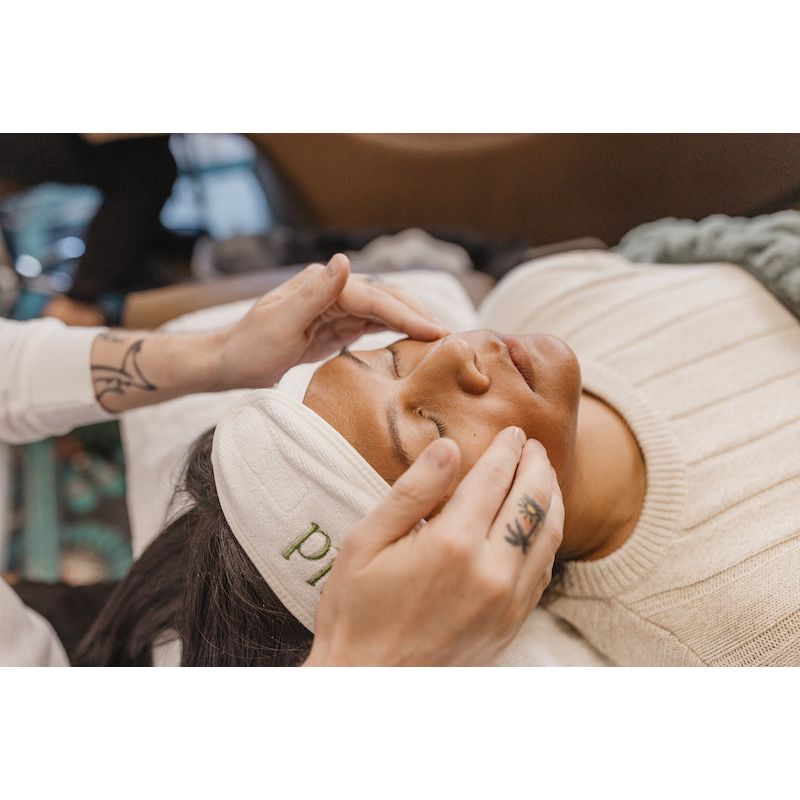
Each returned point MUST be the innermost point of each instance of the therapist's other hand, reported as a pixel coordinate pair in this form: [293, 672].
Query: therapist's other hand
[454, 590]
[311, 316]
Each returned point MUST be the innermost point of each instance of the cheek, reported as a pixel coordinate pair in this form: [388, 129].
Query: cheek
[552, 424]
[558, 438]
[473, 433]
[553, 427]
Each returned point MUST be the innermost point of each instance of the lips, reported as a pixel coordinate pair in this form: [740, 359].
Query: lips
[521, 358]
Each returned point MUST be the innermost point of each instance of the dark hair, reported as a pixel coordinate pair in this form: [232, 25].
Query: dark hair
[195, 582]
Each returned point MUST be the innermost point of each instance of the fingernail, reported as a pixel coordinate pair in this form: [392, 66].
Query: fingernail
[517, 434]
[334, 267]
[437, 455]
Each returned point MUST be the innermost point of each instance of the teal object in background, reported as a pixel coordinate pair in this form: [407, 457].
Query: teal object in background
[29, 305]
[104, 540]
[32, 222]
[218, 191]
[40, 538]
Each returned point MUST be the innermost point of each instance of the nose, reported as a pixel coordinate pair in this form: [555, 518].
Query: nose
[455, 359]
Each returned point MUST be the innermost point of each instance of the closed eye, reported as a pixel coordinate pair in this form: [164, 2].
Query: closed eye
[440, 426]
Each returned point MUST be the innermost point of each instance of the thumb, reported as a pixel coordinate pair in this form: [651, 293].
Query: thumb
[414, 495]
[319, 289]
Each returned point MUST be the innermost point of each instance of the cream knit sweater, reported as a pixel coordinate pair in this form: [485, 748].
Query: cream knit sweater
[704, 365]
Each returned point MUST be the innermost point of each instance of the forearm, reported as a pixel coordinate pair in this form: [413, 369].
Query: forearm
[134, 368]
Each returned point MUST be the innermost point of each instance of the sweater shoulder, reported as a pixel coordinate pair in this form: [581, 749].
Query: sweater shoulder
[554, 294]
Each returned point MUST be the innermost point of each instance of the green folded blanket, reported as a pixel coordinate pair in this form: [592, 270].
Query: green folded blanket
[768, 247]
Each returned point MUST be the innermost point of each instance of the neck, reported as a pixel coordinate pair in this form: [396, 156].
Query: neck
[604, 492]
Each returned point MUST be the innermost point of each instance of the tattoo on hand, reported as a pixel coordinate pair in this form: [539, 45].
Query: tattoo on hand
[118, 380]
[531, 510]
[532, 513]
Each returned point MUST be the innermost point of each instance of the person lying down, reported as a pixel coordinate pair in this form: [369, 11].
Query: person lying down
[666, 398]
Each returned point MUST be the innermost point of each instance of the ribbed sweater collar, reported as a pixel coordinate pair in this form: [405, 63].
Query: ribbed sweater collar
[666, 489]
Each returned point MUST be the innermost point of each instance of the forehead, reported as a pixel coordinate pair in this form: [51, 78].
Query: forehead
[353, 400]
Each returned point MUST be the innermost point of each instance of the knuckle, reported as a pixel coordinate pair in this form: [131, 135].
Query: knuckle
[503, 451]
[554, 535]
[349, 550]
[455, 546]
[376, 299]
[308, 286]
[541, 496]
[408, 300]
[541, 587]
[514, 619]
[510, 448]
[557, 509]
[496, 473]
[495, 586]
[546, 576]
[535, 592]
[410, 492]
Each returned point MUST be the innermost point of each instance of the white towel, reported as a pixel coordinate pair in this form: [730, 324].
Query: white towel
[291, 487]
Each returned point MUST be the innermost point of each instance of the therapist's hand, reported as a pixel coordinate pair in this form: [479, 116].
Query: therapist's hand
[457, 589]
[311, 316]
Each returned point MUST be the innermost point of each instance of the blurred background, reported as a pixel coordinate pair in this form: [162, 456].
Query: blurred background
[135, 230]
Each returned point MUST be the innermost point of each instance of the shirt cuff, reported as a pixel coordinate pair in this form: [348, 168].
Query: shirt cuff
[63, 388]
[51, 390]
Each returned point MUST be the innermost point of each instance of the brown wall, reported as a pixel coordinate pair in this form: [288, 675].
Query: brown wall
[548, 187]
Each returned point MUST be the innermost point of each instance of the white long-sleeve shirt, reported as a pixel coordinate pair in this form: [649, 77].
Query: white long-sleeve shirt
[45, 390]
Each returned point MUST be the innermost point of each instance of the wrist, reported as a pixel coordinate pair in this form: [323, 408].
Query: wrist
[236, 359]
[199, 362]
[205, 362]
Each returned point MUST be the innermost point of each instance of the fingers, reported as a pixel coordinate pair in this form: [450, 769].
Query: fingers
[374, 302]
[538, 567]
[414, 495]
[328, 338]
[398, 293]
[318, 287]
[525, 509]
[475, 503]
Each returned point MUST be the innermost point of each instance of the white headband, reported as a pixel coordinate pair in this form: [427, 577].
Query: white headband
[291, 486]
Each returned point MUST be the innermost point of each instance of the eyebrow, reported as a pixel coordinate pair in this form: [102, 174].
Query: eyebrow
[394, 436]
[363, 364]
[400, 452]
